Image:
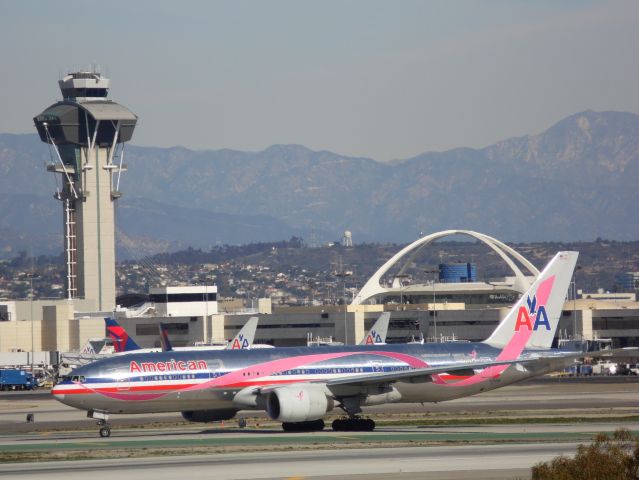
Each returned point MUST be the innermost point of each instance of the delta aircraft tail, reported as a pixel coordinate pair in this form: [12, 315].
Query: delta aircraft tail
[164, 338]
[121, 340]
[377, 334]
[244, 338]
[533, 320]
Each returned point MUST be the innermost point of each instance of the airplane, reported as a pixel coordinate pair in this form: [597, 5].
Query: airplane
[298, 386]
[377, 334]
[164, 338]
[123, 343]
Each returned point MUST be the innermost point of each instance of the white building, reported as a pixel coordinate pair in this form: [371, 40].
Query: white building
[190, 301]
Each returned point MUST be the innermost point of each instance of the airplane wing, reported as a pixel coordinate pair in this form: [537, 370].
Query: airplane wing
[417, 374]
[244, 338]
[377, 334]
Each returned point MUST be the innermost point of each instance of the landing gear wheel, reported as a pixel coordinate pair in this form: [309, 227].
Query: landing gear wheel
[312, 426]
[354, 424]
[105, 431]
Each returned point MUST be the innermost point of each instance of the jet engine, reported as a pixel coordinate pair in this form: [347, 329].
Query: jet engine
[205, 416]
[300, 403]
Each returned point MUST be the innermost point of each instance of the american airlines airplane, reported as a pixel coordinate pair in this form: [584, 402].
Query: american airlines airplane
[298, 386]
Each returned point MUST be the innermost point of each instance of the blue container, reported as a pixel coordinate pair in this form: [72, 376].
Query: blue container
[457, 272]
[13, 379]
[585, 369]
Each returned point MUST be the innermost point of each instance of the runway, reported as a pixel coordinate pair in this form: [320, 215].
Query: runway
[526, 424]
[548, 397]
[446, 463]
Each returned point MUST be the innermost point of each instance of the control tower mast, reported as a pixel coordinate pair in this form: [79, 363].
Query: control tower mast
[88, 132]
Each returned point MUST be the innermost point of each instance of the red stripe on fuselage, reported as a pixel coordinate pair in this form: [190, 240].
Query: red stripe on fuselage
[175, 387]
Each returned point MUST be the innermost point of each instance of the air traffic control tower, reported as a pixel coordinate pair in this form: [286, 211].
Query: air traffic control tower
[87, 133]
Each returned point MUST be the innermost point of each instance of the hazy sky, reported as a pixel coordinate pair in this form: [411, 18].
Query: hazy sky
[380, 79]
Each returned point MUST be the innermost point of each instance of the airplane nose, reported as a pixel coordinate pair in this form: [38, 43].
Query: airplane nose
[58, 394]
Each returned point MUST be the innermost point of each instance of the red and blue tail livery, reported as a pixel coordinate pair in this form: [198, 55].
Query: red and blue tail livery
[121, 340]
[164, 338]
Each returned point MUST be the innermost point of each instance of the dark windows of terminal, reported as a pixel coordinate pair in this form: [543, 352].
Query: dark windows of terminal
[615, 323]
[182, 297]
[152, 328]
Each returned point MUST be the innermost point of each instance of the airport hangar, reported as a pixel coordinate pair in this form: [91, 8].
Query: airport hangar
[86, 133]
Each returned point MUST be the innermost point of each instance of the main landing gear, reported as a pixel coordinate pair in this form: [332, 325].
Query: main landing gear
[313, 426]
[354, 424]
[103, 423]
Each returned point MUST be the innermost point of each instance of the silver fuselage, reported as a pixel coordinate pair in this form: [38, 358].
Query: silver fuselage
[189, 381]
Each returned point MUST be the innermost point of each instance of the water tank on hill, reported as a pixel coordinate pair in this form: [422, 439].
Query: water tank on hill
[457, 272]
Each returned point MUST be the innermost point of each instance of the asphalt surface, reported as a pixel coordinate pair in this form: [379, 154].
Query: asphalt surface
[446, 463]
[567, 397]
[497, 451]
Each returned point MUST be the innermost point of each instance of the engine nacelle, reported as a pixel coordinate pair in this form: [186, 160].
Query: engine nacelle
[298, 403]
[205, 416]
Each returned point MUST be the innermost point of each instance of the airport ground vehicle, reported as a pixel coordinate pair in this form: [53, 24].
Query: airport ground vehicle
[16, 379]
[298, 386]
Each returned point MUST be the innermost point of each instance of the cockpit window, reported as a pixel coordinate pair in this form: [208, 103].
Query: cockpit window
[78, 378]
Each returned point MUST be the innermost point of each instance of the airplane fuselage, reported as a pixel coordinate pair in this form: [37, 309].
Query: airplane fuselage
[191, 381]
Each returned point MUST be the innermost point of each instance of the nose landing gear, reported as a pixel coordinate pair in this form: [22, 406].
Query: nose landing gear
[105, 428]
[103, 422]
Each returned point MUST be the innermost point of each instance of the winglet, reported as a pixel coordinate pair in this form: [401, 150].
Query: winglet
[377, 334]
[244, 338]
[122, 342]
[532, 321]
[164, 338]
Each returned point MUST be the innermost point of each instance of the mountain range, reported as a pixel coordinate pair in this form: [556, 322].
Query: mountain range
[575, 181]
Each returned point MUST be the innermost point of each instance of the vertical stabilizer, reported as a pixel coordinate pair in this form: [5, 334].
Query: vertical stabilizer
[164, 338]
[121, 340]
[533, 320]
[377, 334]
[244, 338]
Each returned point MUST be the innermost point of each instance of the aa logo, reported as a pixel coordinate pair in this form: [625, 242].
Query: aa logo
[373, 338]
[240, 343]
[525, 316]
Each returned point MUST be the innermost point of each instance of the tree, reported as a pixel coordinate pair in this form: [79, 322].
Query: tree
[613, 457]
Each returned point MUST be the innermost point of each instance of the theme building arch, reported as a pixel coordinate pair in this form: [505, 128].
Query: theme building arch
[372, 288]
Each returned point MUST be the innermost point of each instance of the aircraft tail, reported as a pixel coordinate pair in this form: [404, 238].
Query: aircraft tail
[244, 338]
[164, 338]
[377, 334]
[121, 340]
[533, 320]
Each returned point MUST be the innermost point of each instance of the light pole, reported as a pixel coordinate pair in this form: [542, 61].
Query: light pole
[400, 277]
[434, 271]
[574, 304]
[31, 295]
[343, 274]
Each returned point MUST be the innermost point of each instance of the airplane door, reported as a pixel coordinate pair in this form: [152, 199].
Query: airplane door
[123, 384]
